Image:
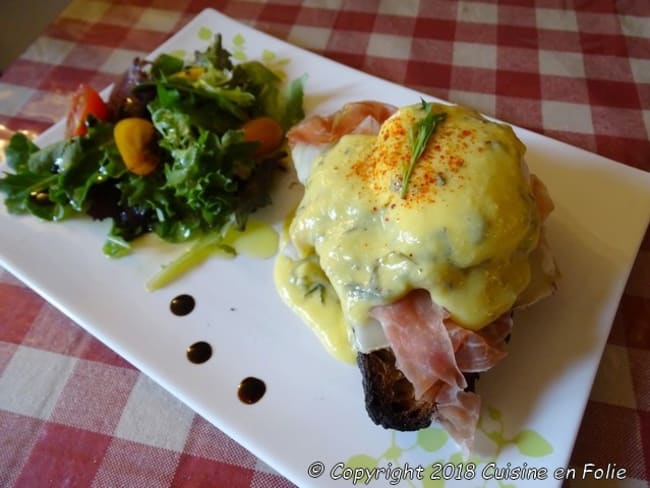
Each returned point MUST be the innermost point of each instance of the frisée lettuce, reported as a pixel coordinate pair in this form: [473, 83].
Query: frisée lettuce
[208, 174]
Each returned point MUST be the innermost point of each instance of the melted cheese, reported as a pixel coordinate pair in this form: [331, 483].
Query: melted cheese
[464, 230]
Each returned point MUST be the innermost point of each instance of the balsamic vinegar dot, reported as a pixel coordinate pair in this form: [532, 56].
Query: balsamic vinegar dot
[182, 304]
[251, 390]
[199, 352]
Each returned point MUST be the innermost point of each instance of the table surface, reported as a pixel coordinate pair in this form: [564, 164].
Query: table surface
[580, 75]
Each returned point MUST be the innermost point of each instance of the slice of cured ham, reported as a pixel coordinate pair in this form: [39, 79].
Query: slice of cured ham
[433, 352]
[458, 411]
[363, 117]
[478, 351]
[542, 197]
[414, 327]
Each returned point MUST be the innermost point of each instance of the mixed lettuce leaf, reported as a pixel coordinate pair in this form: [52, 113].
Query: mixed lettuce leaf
[209, 174]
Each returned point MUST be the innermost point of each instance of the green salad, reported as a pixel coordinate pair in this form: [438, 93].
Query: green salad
[181, 149]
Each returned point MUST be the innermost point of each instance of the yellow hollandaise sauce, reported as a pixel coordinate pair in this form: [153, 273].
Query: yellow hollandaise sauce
[304, 287]
[463, 229]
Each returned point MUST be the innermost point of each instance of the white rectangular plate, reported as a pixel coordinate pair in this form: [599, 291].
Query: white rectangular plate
[313, 409]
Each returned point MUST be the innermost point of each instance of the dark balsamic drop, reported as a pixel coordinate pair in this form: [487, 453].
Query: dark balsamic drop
[251, 390]
[199, 352]
[182, 304]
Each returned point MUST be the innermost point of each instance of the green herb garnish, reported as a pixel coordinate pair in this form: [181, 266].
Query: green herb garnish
[419, 136]
[318, 287]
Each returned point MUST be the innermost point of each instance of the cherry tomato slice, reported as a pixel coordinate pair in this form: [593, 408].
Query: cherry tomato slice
[134, 138]
[85, 101]
[266, 131]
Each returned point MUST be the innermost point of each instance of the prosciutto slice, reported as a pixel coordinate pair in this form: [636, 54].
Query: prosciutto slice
[433, 352]
[478, 351]
[458, 411]
[424, 352]
[542, 197]
[363, 117]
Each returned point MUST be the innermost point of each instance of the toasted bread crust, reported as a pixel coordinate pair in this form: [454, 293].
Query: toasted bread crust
[390, 397]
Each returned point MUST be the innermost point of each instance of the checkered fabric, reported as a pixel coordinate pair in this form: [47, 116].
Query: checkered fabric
[73, 413]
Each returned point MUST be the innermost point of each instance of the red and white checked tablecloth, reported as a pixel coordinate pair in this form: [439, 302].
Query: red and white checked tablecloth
[73, 413]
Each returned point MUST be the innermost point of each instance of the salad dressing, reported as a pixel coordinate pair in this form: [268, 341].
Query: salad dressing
[258, 240]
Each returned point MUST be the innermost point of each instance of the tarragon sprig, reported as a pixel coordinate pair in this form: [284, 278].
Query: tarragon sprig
[419, 135]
